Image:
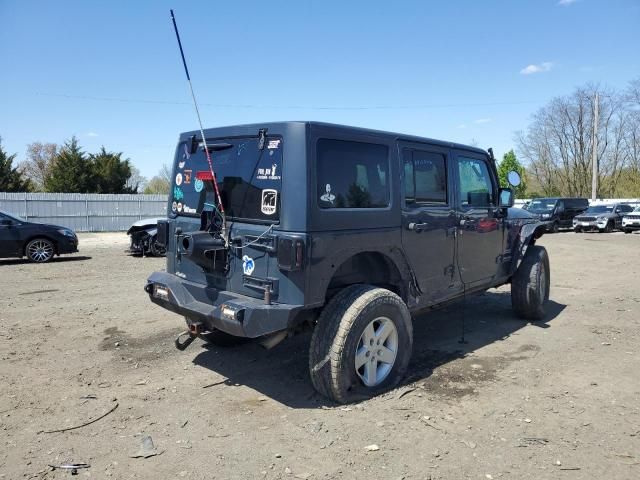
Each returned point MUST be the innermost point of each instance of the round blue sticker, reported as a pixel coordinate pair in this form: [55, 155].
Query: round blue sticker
[198, 185]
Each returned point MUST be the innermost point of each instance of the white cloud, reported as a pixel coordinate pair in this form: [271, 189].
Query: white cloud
[482, 120]
[462, 125]
[92, 134]
[566, 3]
[539, 68]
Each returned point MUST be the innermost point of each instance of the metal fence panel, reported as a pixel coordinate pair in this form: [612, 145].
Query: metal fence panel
[84, 212]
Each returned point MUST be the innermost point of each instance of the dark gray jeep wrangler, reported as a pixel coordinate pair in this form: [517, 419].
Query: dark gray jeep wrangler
[345, 230]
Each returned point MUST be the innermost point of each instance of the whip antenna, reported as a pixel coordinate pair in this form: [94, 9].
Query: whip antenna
[204, 140]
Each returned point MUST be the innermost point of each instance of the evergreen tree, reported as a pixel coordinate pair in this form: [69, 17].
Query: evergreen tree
[71, 171]
[111, 173]
[508, 164]
[11, 179]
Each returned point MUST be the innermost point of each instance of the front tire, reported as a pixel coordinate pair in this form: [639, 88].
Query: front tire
[627, 230]
[39, 250]
[530, 285]
[608, 228]
[555, 228]
[155, 248]
[361, 345]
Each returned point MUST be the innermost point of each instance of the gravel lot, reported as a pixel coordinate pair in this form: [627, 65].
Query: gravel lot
[556, 400]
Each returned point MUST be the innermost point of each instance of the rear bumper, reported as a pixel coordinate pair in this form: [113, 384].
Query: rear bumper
[235, 314]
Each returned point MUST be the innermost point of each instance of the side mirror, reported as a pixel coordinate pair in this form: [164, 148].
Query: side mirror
[506, 198]
[513, 178]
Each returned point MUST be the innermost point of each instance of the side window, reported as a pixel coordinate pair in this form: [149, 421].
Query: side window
[352, 174]
[626, 208]
[476, 188]
[425, 177]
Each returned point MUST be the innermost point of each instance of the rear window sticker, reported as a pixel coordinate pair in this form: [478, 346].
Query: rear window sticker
[179, 206]
[273, 144]
[186, 177]
[187, 209]
[198, 185]
[179, 179]
[248, 265]
[181, 164]
[269, 201]
[178, 194]
[174, 207]
[186, 155]
[327, 196]
[268, 173]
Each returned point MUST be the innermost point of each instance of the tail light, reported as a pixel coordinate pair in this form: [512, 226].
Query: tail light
[290, 253]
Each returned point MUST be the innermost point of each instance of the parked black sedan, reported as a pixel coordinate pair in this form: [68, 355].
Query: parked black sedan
[36, 241]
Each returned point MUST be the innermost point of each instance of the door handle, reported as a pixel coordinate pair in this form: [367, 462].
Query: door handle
[417, 227]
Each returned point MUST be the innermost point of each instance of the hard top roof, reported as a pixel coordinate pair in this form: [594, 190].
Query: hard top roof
[232, 130]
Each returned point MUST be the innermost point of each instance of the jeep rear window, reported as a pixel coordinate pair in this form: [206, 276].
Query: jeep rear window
[352, 174]
[249, 179]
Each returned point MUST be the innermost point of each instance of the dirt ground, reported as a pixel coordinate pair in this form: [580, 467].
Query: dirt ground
[555, 400]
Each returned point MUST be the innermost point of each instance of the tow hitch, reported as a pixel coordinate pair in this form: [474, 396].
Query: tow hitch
[184, 339]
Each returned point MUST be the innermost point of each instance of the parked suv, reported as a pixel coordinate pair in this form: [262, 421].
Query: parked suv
[631, 221]
[557, 213]
[602, 218]
[344, 230]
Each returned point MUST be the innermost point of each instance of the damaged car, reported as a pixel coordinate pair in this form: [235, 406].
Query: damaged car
[143, 235]
[284, 227]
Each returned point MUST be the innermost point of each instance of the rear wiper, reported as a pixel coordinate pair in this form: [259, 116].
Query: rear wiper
[217, 147]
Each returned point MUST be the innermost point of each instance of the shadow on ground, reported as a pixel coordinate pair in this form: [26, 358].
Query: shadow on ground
[282, 373]
[20, 261]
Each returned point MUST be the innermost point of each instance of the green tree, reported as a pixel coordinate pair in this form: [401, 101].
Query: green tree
[111, 173]
[70, 171]
[11, 179]
[160, 183]
[510, 163]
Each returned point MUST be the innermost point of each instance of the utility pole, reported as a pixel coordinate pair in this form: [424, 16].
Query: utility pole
[594, 152]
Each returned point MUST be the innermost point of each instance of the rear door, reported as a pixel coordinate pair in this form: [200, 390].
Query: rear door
[10, 242]
[429, 219]
[480, 232]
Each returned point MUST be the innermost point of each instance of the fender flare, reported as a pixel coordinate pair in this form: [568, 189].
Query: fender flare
[529, 233]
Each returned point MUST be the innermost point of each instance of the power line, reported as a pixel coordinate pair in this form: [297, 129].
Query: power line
[288, 107]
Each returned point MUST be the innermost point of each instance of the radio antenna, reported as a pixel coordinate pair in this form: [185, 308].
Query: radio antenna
[204, 140]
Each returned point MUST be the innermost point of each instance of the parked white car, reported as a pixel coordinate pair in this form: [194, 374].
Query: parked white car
[631, 221]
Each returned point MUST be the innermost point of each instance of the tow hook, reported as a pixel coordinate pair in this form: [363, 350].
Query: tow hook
[184, 339]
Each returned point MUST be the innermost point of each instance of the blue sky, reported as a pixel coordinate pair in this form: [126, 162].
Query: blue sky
[109, 72]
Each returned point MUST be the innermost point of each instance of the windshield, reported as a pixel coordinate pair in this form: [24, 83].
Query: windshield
[13, 217]
[600, 209]
[542, 205]
[249, 179]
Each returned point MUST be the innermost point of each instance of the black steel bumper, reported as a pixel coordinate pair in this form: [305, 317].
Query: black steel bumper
[235, 314]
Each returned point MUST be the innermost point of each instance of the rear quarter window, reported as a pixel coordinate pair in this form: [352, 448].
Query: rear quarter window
[352, 174]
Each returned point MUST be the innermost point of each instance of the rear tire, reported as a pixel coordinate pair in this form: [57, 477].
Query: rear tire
[530, 285]
[361, 345]
[222, 339]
